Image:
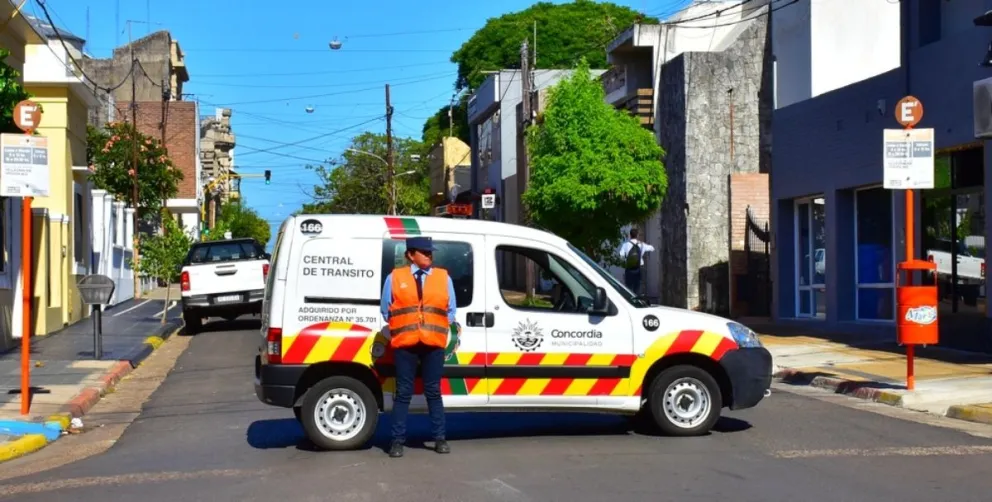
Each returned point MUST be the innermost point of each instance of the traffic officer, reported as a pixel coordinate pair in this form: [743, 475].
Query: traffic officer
[418, 302]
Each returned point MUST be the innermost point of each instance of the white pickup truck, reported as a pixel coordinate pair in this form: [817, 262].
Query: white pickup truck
[223, 279]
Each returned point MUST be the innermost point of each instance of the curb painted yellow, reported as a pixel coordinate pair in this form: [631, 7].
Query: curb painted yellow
[63, 419]
[22, 446]
[970, 413]
[154, 341]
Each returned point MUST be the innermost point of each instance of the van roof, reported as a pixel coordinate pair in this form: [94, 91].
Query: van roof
[403, 226]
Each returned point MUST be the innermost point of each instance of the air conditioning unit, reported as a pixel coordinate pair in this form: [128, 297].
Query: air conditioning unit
[982, 108]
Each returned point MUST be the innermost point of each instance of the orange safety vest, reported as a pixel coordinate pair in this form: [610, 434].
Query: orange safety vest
[413, 321]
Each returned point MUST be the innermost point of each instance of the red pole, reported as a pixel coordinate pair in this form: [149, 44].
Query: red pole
[26, 287]
[910, 252]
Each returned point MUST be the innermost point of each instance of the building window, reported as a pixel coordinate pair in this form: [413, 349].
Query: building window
[873, 254]
[811, 257]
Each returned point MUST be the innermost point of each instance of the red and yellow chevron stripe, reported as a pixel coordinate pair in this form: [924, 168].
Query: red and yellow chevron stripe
[347, 342]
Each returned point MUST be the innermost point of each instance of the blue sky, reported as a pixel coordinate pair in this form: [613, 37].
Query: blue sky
[263, 60]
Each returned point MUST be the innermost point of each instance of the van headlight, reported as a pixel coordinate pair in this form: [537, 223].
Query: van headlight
[744, 336]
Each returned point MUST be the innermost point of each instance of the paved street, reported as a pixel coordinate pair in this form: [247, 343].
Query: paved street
[204, 435]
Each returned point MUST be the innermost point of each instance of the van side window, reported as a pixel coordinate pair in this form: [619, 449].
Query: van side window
[559, 287]
[453, 256]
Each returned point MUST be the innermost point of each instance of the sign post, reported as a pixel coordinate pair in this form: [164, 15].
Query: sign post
[908, 164]
[24, 173]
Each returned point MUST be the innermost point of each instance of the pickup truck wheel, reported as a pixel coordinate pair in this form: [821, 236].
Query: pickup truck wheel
[685, 401]
[339, 413]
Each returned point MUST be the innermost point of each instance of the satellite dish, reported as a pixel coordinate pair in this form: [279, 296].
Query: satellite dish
[335, 44]
[309, 109]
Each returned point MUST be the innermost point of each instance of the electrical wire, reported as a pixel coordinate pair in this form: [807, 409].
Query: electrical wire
[316, 86]
[339, 93]
[320, 136]
[309, 73]
[764, 13]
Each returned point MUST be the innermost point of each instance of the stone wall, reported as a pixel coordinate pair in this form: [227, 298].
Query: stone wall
[722, 102]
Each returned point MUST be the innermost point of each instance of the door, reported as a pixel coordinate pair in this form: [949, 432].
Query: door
[545, 349]
[464, 257]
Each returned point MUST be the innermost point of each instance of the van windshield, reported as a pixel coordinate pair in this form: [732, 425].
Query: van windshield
[633, 299]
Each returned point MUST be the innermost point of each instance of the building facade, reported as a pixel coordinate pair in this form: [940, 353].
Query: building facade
[217, 143]
[838, 233]
[704, 87]
[492, 118]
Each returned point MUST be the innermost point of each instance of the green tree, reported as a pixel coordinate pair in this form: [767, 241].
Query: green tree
[594, 169]
[162, 256]
[565, 33]
[242, 221]
[358, 183]
[11, 92]
[110, 154]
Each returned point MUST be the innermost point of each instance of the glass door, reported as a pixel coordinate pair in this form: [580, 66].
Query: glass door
[811, 257]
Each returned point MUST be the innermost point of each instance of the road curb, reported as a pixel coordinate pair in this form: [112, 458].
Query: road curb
[854, 388]
[970, 413]
[88, 397]
[21, 446]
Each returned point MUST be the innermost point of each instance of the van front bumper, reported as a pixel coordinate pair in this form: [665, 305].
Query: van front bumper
[275, 384]
[750, 374]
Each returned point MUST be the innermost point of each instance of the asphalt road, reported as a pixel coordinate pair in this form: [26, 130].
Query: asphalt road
[203, 435]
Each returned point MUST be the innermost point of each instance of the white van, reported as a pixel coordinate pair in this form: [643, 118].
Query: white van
[583, 342]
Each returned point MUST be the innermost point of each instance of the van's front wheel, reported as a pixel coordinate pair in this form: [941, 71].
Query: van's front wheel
[685, 401]
[339, 413]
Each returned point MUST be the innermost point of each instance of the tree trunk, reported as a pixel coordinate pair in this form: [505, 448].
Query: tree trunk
[165, 310]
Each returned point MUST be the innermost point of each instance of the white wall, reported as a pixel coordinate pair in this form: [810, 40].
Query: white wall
[823, 45]
[112, 243]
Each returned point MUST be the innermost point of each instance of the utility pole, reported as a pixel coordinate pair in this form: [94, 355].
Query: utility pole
[134, 160]
[389, 154]
[523, 177]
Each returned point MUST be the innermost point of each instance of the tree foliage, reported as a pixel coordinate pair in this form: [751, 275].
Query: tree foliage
[110, 154]
[11, 93]
[437, 125]
[162, 255]
[242, 221]
[358, 183]
[594, 169]
[566, 32]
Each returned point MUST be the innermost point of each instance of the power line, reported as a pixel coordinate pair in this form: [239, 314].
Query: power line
[316, 86]
[377, 118]
[339, 93]
[308, 73]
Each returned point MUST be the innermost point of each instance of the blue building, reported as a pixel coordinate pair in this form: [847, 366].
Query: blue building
[841, 67]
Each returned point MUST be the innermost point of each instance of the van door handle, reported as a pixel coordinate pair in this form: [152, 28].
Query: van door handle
[480, 319]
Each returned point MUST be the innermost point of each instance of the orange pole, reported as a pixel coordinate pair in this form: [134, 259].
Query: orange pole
[910, 249]
[26, 286]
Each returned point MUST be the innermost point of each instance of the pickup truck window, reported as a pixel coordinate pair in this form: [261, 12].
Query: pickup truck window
[224, 251]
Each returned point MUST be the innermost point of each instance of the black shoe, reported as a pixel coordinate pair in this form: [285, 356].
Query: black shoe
[396, 450]
[441, 446]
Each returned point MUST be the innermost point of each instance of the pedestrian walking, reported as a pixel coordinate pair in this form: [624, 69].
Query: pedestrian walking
[418, 303]
[632, 253]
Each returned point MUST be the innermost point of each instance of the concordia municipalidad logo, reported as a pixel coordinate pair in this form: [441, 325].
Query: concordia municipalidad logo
[527, 336]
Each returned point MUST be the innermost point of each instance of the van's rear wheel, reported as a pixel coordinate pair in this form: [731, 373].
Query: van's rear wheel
[339, 413]
[685, 401]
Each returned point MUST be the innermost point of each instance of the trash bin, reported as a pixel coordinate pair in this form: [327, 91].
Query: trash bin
[96, 290]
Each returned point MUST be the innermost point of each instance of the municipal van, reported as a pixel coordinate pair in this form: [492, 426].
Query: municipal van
[580, 342]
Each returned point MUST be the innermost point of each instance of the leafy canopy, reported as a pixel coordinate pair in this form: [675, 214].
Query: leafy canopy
[11, 93]
[566, 32]
[358, 183]
[110, 152]
[594, 169]
[242, 221]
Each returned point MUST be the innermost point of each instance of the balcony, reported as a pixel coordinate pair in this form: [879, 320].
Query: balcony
[640, 104]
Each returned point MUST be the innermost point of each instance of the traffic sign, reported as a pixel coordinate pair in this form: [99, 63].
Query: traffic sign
[488, 201]
[908, 158]
[27, 115]
[909, 111]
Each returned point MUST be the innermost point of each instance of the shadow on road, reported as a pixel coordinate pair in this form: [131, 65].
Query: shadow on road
[287, 432]
[216, 324]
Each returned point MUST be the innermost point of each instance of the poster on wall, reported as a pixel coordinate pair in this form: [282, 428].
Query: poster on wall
[24, 168]
[907, 158]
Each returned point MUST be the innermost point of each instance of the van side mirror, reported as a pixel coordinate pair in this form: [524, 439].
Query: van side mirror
[600, 302]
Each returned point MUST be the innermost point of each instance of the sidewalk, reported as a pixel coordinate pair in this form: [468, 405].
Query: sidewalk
[67, 380]
[949, 382]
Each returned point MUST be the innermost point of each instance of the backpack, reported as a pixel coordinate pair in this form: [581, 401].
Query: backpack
[633, 259]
